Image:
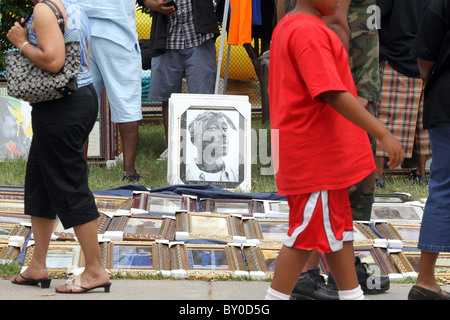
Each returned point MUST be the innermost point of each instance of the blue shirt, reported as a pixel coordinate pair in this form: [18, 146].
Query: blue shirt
[113, 20]
[77, 30]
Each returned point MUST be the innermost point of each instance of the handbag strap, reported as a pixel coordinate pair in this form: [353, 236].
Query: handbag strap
[58, 13]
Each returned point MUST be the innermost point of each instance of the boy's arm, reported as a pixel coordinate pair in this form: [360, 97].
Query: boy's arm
[426, 68]
[350, 108]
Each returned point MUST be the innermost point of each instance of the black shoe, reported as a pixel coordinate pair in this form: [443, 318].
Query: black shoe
[418, 178]
[311, 286]
[370, 283]
[420, 293]
[380, 183]
[130, 177]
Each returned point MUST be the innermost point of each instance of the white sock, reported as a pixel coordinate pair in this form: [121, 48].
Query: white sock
[275, 295]
[355, 294]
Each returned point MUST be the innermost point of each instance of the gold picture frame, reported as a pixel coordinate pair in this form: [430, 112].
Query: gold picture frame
[144, 227]
[207, 261]
[196, 225]
[162, 203]
[138, 257]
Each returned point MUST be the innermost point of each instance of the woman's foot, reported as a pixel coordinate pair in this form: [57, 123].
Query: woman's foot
[85, 283]
[32, 277]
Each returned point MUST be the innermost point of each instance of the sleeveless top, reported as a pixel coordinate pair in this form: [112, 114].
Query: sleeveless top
[77, 29]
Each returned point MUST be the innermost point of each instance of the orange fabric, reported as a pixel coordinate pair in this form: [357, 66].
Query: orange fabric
[240, 30]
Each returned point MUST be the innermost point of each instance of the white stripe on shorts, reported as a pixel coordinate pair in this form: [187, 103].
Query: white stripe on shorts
[335, 244]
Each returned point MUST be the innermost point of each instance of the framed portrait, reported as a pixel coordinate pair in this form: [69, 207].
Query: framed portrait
[104, 140]
[441, 269]
[210, 140]
[150, 257]
[16, 193]
[144, 227]
[112, 204]
[12, 206]
[14, 218]
[6, 231]
[15, 126]
[162, 203]
[393, 198]
[195, 225]
[377, 259]
[8, 253]
[63, 256]
[16, 131]
[399, 212]
[242, 207]
[270, 254]
[363, 232]
[207, 261]
[407, 233]
[276, 209]
[267, 231]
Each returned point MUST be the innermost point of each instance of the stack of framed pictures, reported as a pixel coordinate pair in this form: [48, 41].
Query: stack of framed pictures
[157, 203]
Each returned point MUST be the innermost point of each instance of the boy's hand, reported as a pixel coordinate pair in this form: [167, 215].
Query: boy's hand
[393, 149]
[159, 6]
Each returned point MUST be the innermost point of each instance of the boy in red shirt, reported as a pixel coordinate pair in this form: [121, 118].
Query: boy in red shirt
[318, 119]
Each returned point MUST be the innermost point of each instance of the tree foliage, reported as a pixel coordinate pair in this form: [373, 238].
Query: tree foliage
[11, 11]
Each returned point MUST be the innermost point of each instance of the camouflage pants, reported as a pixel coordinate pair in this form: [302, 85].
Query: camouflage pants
[362, 194]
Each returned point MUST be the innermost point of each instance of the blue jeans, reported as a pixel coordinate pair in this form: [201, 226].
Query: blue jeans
[435, 229]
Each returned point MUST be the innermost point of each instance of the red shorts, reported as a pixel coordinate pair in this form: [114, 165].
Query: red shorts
[320, 220]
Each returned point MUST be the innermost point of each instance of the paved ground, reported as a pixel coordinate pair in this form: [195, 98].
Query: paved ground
[170, 290]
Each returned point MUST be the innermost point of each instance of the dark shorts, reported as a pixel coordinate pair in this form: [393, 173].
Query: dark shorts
[198, 64]
[56, 182]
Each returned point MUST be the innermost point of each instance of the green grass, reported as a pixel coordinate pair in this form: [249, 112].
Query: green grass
[152, 143]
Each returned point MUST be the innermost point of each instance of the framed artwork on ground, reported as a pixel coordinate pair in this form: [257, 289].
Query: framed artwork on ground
[396, 212]
[162, 203]
[245, 207]
[266, 231]
[210, 140]
[195, 225]
[138, 256]
[144, 227]
[63, 256]
[207, 261]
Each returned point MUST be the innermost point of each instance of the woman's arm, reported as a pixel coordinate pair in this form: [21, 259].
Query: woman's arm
[51, 53]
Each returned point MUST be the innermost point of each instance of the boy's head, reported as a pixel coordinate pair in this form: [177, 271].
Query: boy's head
[325, 7]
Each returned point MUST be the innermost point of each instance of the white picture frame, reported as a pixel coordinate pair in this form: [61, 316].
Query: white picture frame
[210, 141]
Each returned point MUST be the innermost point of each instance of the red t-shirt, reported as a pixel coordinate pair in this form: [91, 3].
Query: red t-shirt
[318, 148]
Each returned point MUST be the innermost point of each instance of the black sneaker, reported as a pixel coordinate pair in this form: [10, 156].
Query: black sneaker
[130, 177]
[311, 286]
[370, 283]
[418, 178]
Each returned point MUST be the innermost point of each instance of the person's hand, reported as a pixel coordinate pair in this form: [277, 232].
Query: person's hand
[159, 6]
[393, 149]
[17, 35]
[363, 102]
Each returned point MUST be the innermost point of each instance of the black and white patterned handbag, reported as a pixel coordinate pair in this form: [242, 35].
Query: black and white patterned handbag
[28, 82]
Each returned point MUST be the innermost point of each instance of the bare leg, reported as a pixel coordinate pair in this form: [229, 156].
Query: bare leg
[42, 230]
[129, 133]
[290, 263]
[342, 266]
[313, 260]
[165, 114]
[421, 161]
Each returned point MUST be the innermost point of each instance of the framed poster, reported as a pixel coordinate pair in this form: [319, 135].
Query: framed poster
[396, 212]
[138, 256]
[15, 126]
[207, 261]
[210, 140]
[162, 203]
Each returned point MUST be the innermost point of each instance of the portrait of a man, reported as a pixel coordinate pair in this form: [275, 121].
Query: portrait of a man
[211, 147]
